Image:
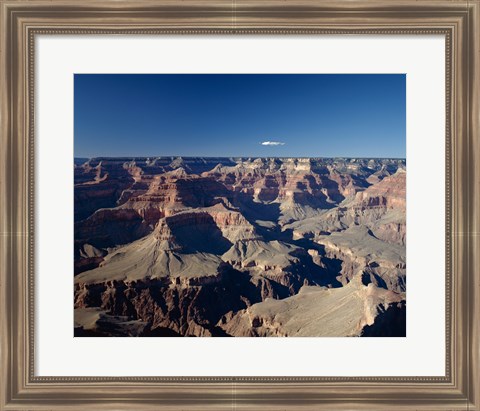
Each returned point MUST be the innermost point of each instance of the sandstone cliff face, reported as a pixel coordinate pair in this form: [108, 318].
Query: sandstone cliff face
[389, 193]
[382, 263]
[314, 311]
[217, 247]
[187, 305]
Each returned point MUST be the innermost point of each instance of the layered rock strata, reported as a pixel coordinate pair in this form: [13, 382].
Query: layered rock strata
[174, 246]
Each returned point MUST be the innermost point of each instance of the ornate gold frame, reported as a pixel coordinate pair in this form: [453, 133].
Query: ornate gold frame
[458, 20]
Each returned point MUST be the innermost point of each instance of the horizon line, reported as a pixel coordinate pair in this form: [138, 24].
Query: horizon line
[245, 156]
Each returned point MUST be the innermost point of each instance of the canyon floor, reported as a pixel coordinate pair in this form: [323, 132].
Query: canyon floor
[255, 247]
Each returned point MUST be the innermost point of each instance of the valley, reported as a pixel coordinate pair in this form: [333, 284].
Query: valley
[254, 247]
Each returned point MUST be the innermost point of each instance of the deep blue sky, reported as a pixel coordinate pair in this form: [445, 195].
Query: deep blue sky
[318, 115]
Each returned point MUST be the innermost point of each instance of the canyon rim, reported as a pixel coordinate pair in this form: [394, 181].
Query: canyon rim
[274, 244]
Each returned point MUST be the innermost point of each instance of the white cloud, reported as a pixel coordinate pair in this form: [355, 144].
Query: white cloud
[272, 143]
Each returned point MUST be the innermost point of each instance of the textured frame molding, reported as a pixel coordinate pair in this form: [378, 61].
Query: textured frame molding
[458, 20]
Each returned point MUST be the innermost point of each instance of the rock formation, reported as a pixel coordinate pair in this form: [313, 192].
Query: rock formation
[240, 247]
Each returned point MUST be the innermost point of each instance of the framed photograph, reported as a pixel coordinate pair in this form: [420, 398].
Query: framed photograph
[269, 171]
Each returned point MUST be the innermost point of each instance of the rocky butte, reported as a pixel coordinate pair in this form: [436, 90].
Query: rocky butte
[240, 247]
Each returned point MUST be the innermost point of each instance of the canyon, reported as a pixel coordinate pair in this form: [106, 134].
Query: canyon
[253, 247]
